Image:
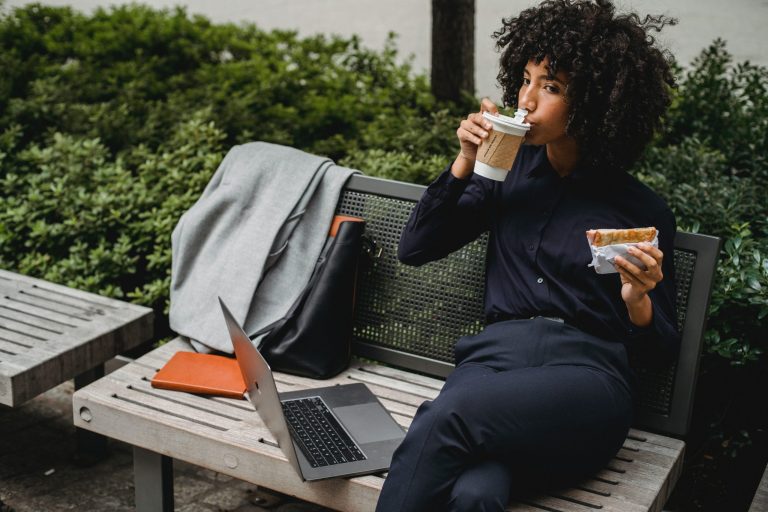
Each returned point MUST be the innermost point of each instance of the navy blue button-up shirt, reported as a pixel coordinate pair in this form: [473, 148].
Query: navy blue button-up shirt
[538, 251]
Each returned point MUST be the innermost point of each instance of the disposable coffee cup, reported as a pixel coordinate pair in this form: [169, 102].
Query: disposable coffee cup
[497, 152]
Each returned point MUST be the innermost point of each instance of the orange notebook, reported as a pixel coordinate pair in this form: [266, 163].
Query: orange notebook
[206, 374]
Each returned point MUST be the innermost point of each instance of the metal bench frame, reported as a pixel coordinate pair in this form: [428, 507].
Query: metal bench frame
[227, 436]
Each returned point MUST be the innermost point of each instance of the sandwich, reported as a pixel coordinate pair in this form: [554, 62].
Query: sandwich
[605, 237]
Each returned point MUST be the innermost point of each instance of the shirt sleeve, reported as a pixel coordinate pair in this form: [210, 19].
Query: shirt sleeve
[451, 213]
[661, 339]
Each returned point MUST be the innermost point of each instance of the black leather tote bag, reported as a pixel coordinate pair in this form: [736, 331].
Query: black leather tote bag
[314, 339]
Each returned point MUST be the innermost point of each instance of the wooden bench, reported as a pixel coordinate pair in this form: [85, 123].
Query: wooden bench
[760, 501]
[406, 323]
[51, 333]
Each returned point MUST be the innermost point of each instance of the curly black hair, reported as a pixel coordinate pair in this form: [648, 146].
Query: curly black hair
[619, 81]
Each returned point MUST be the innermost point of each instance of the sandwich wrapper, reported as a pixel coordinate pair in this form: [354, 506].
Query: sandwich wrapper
[602, 257]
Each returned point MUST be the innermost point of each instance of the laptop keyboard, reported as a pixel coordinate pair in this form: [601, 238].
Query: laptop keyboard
[318, 433]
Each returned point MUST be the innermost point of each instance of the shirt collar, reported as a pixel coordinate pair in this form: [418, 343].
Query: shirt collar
[539, 163]
[540, 166]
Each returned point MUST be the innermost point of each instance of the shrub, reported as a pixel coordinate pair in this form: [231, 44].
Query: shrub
[130, 74]
[100, 154]
[726, 107]
[710, 165]
[73, 215]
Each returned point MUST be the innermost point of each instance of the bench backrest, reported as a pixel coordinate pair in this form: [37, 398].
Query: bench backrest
[411, 317]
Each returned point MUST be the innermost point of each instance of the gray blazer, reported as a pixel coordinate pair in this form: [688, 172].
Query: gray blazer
[266, 207]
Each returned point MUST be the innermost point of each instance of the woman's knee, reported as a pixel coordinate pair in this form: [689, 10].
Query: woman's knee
[482, 487]
[472, 500]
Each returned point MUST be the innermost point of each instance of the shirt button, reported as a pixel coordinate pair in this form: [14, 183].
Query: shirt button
[530, 247]
[540, 280]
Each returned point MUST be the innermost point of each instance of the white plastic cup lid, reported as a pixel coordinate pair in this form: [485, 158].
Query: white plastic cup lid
[506, 123]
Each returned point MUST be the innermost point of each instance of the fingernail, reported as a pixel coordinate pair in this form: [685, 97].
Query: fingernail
[488, 126]
[484, 134]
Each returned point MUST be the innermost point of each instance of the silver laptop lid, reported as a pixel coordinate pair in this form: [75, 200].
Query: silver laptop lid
[260, 386]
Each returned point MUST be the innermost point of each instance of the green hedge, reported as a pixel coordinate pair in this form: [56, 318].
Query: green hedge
[111, 124]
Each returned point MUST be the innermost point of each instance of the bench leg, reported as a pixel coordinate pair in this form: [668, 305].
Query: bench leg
[153, 481]
[91, 447]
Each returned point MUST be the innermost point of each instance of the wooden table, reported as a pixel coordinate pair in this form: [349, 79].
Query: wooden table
[760, 501]
[51, 333]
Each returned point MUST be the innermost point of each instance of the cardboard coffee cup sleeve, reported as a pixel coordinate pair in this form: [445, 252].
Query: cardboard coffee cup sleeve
[603, 257]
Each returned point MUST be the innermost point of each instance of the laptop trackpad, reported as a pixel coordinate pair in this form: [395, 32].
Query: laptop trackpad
[368, 423]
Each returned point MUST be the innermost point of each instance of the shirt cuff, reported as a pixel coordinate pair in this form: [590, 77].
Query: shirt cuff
[659, 332]
[447, 186]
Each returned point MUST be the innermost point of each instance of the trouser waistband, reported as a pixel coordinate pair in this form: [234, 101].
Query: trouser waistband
[501, 317]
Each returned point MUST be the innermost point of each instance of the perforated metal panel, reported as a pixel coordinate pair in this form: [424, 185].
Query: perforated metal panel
[424, 311]
[420, 311]
[656, 384]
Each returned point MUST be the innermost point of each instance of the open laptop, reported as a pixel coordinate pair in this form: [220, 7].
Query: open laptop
[335, 431]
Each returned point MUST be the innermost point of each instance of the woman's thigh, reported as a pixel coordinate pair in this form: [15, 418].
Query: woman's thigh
[576, 415]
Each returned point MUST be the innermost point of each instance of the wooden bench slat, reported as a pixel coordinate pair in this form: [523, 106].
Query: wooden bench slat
[641, 481]
[11, 282]
[585, 504]
[621, 490]
[631, 444]
[413, 378]
[649, 437]
[760, 500]
[522, 507]
[136, 379]
[33, 310]
[647, 457]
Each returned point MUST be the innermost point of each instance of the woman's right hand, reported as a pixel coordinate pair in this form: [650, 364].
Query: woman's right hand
[471, 132]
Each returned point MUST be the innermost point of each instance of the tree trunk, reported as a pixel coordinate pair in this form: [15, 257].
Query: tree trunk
[453, 48]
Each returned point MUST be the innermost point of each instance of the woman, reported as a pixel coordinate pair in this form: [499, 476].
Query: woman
[545, 392]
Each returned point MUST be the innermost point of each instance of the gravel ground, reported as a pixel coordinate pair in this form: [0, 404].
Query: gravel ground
[39, 471]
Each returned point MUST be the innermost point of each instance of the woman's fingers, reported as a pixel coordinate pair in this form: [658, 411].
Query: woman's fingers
[651, 257]
[466, 135]
[487, 105]
[473, 129]
[628, 277]
[479, 120]
[631, 269]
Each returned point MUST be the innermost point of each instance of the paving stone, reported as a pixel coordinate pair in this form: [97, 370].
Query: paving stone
[250, 507]
[266, 498]
[226, 498]
[213, 475]
[300, 507]
[194, 507]
[186, 489]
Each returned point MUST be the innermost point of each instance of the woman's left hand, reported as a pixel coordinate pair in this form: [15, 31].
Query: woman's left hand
[636, 282]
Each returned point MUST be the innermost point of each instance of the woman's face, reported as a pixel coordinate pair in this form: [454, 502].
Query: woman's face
[544, 99]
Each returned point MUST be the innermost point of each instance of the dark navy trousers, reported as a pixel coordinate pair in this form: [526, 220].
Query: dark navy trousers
[530, 401]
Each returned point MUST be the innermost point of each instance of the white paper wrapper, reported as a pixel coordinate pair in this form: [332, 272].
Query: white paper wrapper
[602, 257]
